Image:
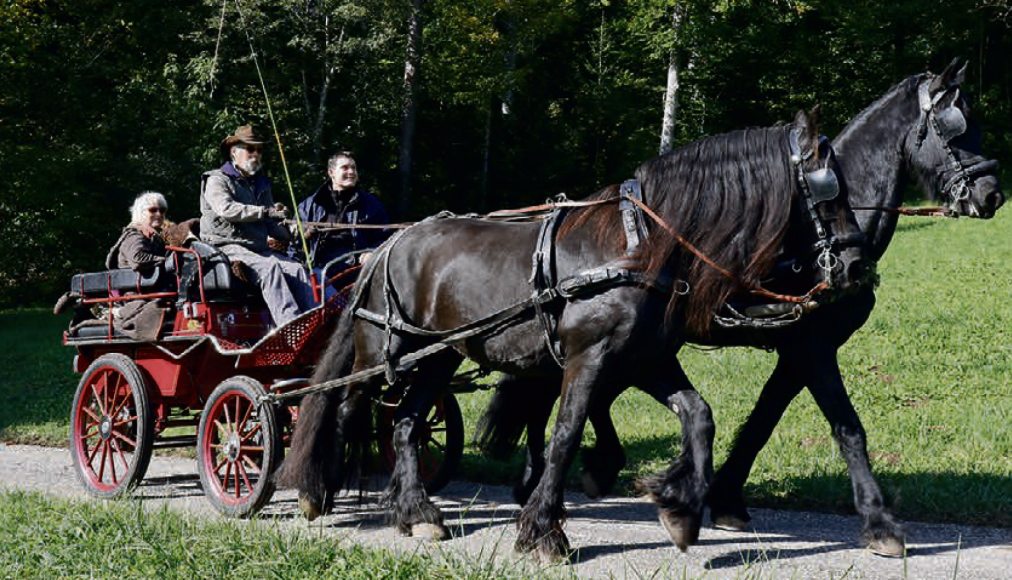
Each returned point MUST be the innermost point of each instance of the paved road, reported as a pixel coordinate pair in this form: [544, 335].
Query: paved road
[618, 537]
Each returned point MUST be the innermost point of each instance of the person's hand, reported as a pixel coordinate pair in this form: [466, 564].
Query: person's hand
[310, 232]
[277, 245]
[364, 257]
[278, 212]
[147, 231]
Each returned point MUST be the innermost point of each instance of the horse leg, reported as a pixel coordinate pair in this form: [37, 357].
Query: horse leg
[680, 491]
[539, 526]
[411, 510]
[541, 401]
[603, 462]
[881, 533]
[727, 490]
[312, 464]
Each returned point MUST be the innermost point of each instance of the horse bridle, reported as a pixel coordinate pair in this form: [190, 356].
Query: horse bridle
[818, 187]
[948, 124]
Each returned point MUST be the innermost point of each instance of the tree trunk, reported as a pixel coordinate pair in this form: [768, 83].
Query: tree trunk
[486, 156]
[408, 106]
[671, 94]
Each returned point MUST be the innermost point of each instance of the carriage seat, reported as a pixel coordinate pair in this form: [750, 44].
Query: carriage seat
[99, 284]
[220, 285]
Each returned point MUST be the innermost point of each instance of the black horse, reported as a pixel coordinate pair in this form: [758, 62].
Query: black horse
[920, 129]
[738, 199]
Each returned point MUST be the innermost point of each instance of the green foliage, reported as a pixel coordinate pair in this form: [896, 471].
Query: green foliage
[517, 99]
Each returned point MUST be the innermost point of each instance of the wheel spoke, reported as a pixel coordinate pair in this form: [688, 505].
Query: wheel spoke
[245, 479]
[250, 433]
[112, 395]
[238, 423]
[437, 429]
[235, 476]
[259, 448]
[121, 404]
[94, 452]
[438, 445]
[94, 416]
[129, 419]
[125, 439]
[112, 461]
[97, 399]
[101, 462]
[251, 463]
[217, 468]
[222, 430]
[245, 416]
[228, 476]
[126, 464]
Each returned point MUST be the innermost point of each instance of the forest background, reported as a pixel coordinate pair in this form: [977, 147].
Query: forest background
[466, 105]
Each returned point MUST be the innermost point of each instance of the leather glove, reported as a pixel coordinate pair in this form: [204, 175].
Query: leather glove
[310, 232]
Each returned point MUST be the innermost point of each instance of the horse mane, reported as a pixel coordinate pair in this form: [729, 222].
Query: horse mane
[906, 86]
[728, 195]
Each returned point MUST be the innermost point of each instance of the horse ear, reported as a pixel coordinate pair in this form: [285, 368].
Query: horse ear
[815, 118]
[807, 124]
[952, 76]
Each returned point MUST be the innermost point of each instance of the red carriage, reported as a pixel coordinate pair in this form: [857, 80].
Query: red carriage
[203, 379]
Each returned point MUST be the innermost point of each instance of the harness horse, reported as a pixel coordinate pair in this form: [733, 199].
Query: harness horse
[600, 307]
[920, 130]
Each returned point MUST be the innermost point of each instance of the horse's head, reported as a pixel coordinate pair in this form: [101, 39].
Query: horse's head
[829, 241]
[943, 149]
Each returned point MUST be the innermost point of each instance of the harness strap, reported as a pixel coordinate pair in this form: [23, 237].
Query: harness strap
[633, 225]
[543, 278]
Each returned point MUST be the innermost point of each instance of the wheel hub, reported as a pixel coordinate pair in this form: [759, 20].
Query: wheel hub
[232, 447]
[105, 427]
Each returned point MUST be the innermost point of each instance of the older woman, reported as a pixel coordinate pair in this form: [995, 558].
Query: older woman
[140, 246]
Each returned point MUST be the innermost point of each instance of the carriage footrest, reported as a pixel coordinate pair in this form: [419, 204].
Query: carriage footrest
[175, 441]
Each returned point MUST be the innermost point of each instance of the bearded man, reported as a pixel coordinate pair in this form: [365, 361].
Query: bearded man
[238, 216]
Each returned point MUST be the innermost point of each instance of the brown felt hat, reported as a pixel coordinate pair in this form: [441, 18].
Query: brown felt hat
[244, 134]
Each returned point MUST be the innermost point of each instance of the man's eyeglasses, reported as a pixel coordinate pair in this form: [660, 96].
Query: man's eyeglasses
[253, 148]
[156, 210]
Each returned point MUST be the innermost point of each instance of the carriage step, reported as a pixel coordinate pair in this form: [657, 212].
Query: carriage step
[175, 441]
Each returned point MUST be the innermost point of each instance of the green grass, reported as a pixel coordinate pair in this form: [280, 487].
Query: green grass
[930, 375]
[48, 538]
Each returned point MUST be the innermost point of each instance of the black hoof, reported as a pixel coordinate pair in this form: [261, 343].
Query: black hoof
[311, 508]
[885, 538]
[549, 548]
[729, 514]
[683, 529]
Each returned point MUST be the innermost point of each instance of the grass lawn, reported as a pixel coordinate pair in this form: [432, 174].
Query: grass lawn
[47, 538]
[930, 375]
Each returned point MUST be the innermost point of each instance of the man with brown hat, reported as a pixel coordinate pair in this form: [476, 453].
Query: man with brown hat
[238, 216]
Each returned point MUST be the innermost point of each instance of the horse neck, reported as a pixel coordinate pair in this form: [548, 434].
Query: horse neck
[871, 154]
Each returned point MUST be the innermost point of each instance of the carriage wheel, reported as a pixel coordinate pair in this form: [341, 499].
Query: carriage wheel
[441, 442]
[111, 428]
[238, 448]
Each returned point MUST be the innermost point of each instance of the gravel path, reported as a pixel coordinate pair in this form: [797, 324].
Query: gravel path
[618, 537]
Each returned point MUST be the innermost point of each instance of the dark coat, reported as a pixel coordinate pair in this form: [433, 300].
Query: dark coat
[357, 207]
[133, 250]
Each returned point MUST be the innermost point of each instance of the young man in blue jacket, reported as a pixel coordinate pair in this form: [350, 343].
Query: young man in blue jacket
[340, 201]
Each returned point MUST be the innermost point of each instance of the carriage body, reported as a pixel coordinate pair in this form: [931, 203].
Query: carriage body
[198, 374]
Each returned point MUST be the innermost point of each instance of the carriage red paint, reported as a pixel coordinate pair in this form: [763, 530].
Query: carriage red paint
[202, 382]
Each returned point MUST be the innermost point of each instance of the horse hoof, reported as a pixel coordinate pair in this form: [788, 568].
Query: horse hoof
[888, 547]
[730, 523]
[549, 557]
[683, 530]
[426, 531]
[590, 487]
[309, 508]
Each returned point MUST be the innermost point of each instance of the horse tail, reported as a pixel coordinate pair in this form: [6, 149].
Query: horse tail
[515, 403]
[313, 462]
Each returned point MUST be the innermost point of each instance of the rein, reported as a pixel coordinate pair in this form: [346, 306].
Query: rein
[933, 211]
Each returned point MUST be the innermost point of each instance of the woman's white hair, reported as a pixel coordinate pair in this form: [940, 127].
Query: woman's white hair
[139, 208]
